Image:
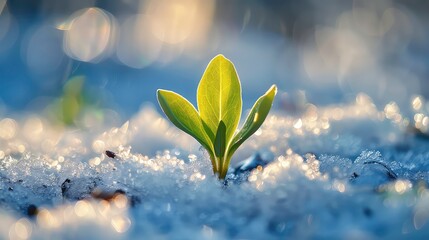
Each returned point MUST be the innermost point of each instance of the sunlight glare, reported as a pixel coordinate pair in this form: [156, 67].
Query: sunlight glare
[89, 34]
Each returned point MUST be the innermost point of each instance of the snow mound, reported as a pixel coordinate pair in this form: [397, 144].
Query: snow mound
[349, 171]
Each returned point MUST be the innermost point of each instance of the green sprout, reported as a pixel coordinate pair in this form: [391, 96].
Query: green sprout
[219, 109]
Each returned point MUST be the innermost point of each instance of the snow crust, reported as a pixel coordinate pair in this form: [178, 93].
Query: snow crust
[349, 171]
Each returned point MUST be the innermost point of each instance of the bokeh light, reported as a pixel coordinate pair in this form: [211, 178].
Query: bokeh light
[89, 34]
[86, 153]
[137, 47]
[177, 21]
[333, 51]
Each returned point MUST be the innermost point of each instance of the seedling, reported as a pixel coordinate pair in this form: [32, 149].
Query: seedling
[219, 109]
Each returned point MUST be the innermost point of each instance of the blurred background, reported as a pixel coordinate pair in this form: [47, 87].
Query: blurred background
[80, 61]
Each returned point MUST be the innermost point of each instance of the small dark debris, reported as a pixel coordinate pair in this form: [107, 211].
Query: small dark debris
[110, 154]
[134, 200]
[354, 176]
[105, 195]
[225, 182]
[368, 212]
[32, 210]
[120, 191]
[65, 186]
[79, 188]
[109, 196]
[10, 189]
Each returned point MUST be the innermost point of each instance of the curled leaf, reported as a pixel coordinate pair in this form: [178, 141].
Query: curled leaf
[254, 120]
[183, 115]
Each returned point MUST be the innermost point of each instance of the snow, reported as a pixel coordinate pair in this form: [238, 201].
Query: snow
[348, 171]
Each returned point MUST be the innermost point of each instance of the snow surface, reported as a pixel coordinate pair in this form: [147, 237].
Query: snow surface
[347, 171]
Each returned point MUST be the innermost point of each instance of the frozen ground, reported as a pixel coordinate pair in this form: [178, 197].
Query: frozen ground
[347, 171]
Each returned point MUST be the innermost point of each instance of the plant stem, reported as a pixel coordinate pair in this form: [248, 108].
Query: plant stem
[215, 163]
[222, 173]
[219, 167]
[225, 166]
[223, 169]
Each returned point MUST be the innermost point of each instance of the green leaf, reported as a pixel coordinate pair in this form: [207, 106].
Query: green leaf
[255, 119]
[72, 100]
[219, 97]
[184, 116]
[220, 141]
[219, 103]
